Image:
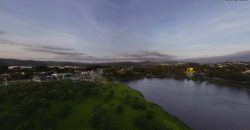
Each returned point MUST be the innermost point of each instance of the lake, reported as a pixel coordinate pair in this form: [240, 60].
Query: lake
[200, 105]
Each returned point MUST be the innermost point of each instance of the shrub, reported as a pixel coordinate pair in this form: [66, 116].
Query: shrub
[102, 120]
[119, 109]
[127, 99]
[27, 125]
[48, 124]
[110, 95]
[64, 112]
[137, 104]
[149, 124]
[150, 114]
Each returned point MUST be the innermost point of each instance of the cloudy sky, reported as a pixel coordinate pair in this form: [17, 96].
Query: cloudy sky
[120, 30]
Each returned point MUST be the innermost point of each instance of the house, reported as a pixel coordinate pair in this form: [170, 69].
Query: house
[61, 76]
[246, 72]
[37, 79]
[21, 67]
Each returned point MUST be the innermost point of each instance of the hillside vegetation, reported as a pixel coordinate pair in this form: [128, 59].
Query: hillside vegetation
[80, 105]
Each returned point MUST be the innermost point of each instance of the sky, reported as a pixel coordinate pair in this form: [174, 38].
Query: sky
[123, 30]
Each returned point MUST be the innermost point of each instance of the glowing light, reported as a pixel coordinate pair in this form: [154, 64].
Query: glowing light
[190, 72]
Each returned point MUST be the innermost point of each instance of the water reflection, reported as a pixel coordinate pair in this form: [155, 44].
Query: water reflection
[188, 83]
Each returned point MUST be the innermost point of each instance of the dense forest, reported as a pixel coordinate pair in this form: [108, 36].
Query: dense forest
[79, 105]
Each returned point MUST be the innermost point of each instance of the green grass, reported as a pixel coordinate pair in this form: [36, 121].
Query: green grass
[109, 96]
[81, 112]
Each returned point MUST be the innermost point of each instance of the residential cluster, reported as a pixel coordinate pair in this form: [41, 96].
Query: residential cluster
[90, 75]
[48, 73]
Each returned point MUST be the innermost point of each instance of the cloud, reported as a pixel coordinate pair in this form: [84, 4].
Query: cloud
[2, 32]
[9, 42]
[153, 56]
[4, 41]
[56, 48]
[63, 53]
[89, 59]
[223, 28]
[59, 51]
[148, 56]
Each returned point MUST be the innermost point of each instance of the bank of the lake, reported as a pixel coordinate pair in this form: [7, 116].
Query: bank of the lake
[80, 105]
[200, 105]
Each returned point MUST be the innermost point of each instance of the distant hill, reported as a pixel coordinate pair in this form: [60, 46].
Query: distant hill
[239, 56]
[16, 62]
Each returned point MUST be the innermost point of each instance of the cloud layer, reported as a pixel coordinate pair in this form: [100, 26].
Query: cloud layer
[118, 30]
[148, 56]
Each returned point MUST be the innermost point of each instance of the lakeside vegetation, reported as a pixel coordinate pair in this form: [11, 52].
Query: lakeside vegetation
[235, 73]
[80, 105]
[226, 73]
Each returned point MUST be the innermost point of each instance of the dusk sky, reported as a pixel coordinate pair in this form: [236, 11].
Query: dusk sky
[122, 30]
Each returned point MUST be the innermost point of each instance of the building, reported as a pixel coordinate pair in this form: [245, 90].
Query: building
[19, 67]
[91, 75]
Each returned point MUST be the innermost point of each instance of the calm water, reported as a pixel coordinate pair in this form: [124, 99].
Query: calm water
[200, 105]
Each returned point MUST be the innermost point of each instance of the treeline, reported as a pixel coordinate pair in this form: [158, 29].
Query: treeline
[202, 72]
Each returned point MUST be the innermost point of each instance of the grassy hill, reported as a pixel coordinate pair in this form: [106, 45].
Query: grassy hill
[69, 105]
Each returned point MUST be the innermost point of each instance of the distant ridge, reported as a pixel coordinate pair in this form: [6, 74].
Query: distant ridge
[243, 56]
[17, 62]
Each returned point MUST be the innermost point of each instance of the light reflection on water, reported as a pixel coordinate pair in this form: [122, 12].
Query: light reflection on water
[188, 83]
